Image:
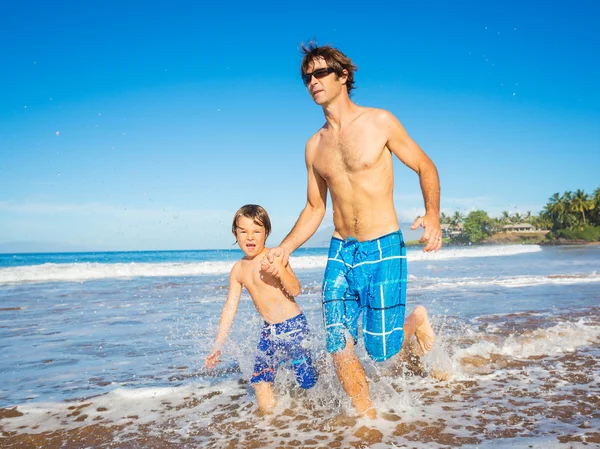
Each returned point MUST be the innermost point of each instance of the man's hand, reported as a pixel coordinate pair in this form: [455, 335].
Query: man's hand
[267, 264]
[432, 234]
[212, 359]
[275, 268]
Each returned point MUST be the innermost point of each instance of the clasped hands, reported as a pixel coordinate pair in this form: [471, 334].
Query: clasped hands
[275, 261]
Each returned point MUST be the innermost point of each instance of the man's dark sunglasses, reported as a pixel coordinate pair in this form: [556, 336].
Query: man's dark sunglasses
[318, 74]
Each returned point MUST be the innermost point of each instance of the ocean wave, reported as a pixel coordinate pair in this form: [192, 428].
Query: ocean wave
[446, 254]
[78, 272]
[562, 338]
[430, 283]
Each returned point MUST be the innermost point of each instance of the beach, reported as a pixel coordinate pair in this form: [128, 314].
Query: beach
[107, 350]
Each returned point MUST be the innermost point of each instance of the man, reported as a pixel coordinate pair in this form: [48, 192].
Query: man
[351, 157]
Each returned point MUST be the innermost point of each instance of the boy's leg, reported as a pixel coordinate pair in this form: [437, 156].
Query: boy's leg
[353, 379]
[417, 323]
[264, 397]
[295, 346]
[264, 372]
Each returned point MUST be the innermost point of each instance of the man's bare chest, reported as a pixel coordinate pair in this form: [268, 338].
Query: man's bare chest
[348, 154]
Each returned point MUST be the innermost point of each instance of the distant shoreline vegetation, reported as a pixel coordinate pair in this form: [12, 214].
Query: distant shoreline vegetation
[570, 218]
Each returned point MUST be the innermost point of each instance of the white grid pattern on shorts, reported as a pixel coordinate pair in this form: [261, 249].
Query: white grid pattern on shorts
[384, 333]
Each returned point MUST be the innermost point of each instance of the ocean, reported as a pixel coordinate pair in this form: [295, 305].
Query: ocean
[107, 350]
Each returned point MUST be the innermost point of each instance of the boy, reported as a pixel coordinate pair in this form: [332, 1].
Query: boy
[285, 325]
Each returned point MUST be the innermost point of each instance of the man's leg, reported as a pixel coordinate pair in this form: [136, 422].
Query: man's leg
[417, 324]
[353, 379]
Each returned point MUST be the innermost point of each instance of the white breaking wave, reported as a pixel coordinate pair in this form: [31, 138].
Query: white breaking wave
[71, 272]
[506, 282]
[78, 272]
[477, 251]
[446, 254]
[562, 338]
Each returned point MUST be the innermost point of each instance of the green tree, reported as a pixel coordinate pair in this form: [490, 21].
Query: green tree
[596, 213]
[496, 224]
[581, 203]
[541, 221]
[445, 219]
[478, 226]
[571, 217]
[457, 218]
[556, 210]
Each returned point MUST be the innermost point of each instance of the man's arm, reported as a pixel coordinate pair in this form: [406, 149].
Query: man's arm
[310, 217]
[412, 156]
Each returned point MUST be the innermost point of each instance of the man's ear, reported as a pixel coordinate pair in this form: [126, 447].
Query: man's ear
[344, 76]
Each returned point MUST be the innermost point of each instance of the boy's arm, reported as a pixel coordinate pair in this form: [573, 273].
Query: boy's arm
[227, 316]
[289, 281]
[286, 275]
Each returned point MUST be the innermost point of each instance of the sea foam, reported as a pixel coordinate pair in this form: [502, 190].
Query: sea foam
[79, 272]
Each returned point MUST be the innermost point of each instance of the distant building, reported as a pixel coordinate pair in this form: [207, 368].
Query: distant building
[449, 231]
[519, 227]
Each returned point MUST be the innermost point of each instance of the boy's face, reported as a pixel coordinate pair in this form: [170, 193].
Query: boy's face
[250, 236]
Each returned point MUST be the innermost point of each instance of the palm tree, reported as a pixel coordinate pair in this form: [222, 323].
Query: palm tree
[596, 200]
[542, 221]
[568, 219]
[527, 217]
[445, 219]
[496, 225]
[457, 218]
[581, 202]
[516, 218]
[505, 217]
[555, 210]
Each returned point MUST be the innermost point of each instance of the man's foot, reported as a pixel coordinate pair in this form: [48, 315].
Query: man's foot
[424, 332]
[439, 374]
[370, 412]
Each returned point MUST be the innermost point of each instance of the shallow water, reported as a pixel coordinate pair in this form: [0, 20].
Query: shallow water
[107, 350]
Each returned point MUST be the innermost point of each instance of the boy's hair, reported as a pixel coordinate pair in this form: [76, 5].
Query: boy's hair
[334, 58]
[255, 213]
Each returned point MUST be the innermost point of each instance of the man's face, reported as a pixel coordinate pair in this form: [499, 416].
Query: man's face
[324, 89]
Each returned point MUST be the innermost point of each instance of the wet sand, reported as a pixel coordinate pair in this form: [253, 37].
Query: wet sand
[499, 398]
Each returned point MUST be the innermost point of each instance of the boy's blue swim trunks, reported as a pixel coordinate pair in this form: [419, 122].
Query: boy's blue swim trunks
[367, 277]
[283, 343]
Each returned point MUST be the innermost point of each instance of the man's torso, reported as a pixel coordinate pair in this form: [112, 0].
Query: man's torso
[357, 167]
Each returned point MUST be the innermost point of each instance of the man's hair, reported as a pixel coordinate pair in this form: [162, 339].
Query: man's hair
[255, 213]
[334, 58]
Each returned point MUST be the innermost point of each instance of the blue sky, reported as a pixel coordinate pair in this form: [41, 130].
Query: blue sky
[145, 125]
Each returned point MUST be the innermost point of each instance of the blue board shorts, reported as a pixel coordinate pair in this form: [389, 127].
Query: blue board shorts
[369, 278]
[284, 343]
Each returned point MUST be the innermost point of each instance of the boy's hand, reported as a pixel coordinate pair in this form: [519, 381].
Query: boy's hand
[268, 267]
[274, 253]
[212, 359]
[274, 267]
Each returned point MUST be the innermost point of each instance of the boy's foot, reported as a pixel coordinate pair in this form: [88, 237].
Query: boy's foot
[425, 335]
